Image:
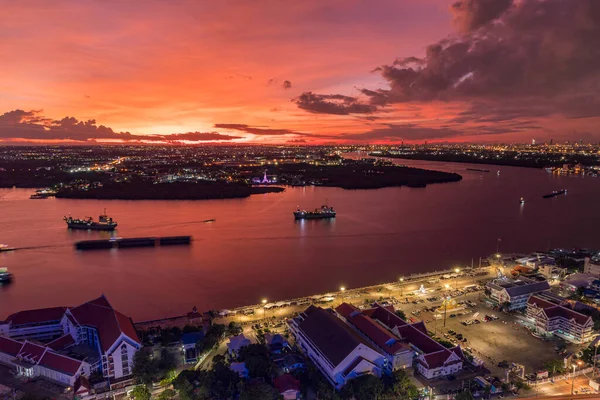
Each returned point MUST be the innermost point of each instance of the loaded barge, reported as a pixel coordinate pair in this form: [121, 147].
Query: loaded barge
[124, 243]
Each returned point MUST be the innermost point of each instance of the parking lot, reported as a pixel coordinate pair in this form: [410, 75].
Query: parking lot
[493, 341]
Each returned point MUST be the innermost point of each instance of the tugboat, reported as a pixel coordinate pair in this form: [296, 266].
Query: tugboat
[5, 276]
[555, 193]
[105, 223]
[319, 213]
[522, 201]
[5, 247]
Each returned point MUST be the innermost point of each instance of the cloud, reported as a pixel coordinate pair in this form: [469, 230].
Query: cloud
[296, 141]
[287, 85]
[261, 131]
[19, 124]
[332, 104]
[530, 50]
[398, 132]
[471, 14]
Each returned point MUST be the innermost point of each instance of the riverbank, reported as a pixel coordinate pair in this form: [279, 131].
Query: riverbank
[167, 191]
[509, 160]
[287, 308]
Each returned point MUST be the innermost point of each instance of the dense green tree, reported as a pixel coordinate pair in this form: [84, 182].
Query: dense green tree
[144, 367]
[554, 367]
[234, 329]
[401, 386]
[258, 390]
[166, 362]
[464, 395]
[141, 392]
[167, 394]
[365, 387]
[401, 314]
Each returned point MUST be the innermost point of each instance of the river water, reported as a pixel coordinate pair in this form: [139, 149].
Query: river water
[256, 250]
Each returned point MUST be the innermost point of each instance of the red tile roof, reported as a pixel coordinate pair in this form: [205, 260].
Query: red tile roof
[437, 359]
[330, 334]
[420, 326]
[346, 309]
[31, 352]
[9, 346]
[539, 302]
[558, 311]
[110, 323]
[61, 343]
[36, 316]
[286, 382]
[82, 385]
[60, 363]
[383, 338]
[389, 318]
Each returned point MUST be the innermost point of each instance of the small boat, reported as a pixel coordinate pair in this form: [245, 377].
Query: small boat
[38, 196]
[522, 201]
[5, 247]
[498, 173]
[5, 276]
[555, 193]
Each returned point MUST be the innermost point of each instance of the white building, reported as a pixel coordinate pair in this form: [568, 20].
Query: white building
[236, 343]
[32, 360]
[337, 351]
[404, 345]
[515, 292]
[551, 317]
[95, 325]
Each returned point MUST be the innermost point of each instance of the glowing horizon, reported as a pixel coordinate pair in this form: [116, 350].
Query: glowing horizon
[308, 72]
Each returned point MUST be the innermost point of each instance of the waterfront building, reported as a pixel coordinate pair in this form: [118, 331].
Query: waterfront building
[336, 349]
[551, 316]
[404, 345]
[514, 293]
[104, 337]
[31, 360]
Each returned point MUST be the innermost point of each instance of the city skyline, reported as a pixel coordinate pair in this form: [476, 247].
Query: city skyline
[306, 73]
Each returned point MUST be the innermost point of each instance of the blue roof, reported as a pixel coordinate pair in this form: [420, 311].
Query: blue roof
[192, 337]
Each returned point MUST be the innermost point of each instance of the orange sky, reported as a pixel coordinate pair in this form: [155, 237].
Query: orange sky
[162, 67]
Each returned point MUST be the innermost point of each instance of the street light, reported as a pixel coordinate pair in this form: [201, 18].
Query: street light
[342, 289]
[595, 354]
[264, 301]
[573, 377]
[401, 287]
[456, 271]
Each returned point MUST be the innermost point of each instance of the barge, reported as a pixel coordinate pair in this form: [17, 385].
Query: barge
[126, 243]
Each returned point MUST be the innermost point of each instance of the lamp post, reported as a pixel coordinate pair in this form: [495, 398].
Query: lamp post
[264, 301]
[342, 289]
[573, 377]
[595, 354]
[401, 287]
[456, 271]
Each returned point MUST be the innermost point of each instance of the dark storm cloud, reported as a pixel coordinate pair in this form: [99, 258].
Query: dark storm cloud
[287, 85]
[260, 130]
[332, 104]
[471, 14]
[537, 48]
[19, 124]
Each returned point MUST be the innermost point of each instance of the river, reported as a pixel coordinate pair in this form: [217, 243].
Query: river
[256, 250]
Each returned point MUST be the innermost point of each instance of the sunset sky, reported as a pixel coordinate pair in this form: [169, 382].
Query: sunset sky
[311, 71]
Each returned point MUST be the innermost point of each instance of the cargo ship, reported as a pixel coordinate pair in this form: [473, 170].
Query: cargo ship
[105, 223]
[555, 193]
[319, 213]
[5, 276]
